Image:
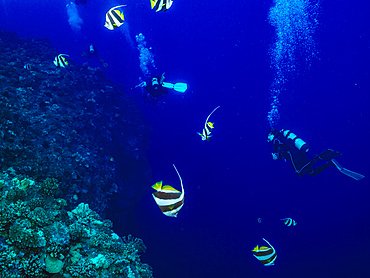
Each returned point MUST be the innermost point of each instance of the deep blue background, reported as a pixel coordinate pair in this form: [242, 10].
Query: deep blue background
[220, 49]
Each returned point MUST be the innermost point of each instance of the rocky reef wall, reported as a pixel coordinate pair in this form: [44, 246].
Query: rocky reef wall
[72, 124]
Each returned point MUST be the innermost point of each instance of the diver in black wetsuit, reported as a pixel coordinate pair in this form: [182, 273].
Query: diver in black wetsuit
[93, 52]
[154, 87]
[288, 146]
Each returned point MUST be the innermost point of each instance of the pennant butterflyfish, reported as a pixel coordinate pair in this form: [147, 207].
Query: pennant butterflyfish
[27, 67]
[114, 18]
[208, 126]
[60, 61]
[266, 255]
[168, 199]
[289, 221]
[161, 5]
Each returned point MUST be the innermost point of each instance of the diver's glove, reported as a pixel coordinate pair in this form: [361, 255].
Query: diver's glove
[142, 84]
[275, 156]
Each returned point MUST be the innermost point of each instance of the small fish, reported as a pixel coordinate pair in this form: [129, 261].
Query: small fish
[161, 5]
[27, 67]
[259, 220]
[289, 222]
[60, 61]
[114, 18]
[208, 126]
[168, 199]
[266, 255]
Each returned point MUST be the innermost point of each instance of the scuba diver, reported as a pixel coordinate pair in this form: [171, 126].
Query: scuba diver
[286, 145]
[158, 88]
[94, 53]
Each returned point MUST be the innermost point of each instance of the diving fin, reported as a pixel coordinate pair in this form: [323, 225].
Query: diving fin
[178, 87]
[349, 173]
[168, 85]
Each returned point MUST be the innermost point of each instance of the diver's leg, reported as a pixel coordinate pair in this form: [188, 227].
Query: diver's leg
[328, 155]
[305, 169]
[104, 64]
[320, 168]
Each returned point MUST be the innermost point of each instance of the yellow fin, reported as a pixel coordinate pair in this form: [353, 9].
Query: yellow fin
[157, 186]
[152, 2]
[169, 188]
[210, 124]
[120, 14]
[255, 249]
[264, 248]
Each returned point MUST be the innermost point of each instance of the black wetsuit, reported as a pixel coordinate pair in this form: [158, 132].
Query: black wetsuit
[284, 148]
[155, 88]
[92, 52]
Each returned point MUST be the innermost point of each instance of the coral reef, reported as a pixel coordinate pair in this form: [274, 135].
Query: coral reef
[70, 124]
[49, 241]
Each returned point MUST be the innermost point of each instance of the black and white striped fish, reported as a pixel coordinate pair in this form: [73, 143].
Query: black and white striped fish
[60, 61]
[168, 199]
[208, 126]
[27, 67]
[266, 255]
[114, 18]
[161, 5]
[289, 222]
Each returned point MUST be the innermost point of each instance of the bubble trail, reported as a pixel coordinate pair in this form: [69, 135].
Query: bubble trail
[146, 57]
[74, 18]
[295, 22]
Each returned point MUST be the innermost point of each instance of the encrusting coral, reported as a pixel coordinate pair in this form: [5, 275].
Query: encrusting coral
[40, 238]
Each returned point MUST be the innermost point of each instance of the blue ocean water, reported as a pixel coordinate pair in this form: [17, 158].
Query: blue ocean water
[223, 51]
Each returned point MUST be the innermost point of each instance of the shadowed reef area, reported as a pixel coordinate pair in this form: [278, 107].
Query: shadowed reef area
[72, 124]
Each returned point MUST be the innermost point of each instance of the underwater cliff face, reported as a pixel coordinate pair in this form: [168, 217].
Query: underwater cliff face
[71, 124]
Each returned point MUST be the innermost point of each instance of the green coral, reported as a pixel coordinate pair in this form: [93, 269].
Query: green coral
[82, 268]
[32, 266]
[21, 232]
[49, 187]
[23, 184]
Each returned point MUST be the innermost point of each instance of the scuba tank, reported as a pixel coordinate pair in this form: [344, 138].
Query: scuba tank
[298, 142]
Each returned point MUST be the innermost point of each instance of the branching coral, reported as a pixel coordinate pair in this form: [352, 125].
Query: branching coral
[38, 237]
